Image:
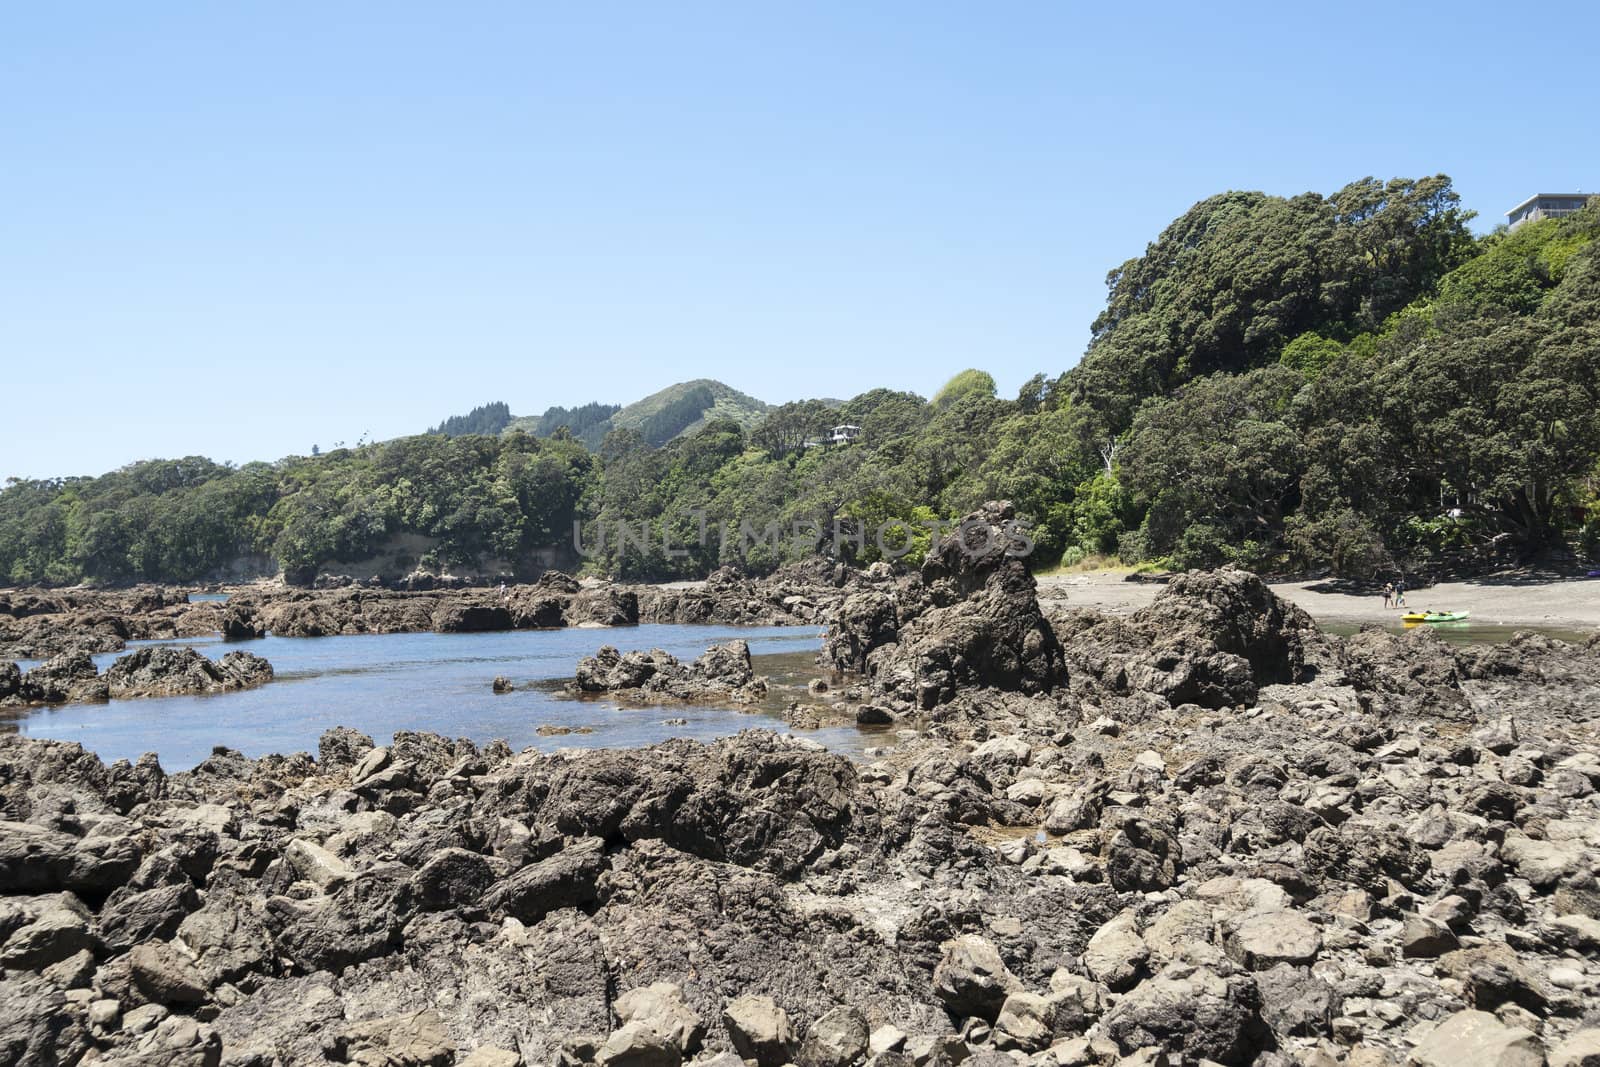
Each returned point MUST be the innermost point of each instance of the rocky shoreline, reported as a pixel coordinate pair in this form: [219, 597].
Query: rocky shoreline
[40, 624]
[1205, 832]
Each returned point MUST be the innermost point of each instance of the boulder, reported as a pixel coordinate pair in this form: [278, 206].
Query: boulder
[1116, 954]
[129, 917]
[489, 1056]
[1296, 1003]
[1477, 1039]
[1026, 1022]
[1581, 1048]
[453, 877]
[564, 880]
[984, 627]
[1403, 675]
[38, 1028]
[1425, 938]
[241, 623]
[604, 607]
[759, 1030]
[57, 931]
[1266, 939]
[1211, 638]
[316, 864]
[1543, 863]
[638, 1045]
[34, 859]
[971, 978]
[471, 618]
[865, 622]
[838, 1039]
[661, 1006]
[70, 676]
[166, 975]
[418, 1039]
[1193, 1010]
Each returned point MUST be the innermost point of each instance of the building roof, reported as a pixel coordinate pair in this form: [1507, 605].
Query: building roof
[1544, 196]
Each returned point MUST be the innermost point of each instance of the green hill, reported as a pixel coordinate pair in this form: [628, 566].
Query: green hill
[579, 420]
[658, 418]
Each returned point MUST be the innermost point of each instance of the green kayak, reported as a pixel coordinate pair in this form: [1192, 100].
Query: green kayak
[1434, 616]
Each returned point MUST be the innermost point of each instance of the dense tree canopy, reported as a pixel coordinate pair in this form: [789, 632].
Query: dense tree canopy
[1346, 383]
[488, 418]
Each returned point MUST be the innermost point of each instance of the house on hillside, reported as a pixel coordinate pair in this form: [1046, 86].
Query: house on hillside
[843, 435]
[1547, 206]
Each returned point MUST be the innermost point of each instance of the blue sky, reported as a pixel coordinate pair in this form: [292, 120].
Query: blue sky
[241, 229]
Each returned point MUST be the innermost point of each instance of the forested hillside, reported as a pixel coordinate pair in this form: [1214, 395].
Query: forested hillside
[658, 418]
[489, 418]
[1344, 382]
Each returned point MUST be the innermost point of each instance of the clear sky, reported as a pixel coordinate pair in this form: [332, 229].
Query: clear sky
[243, 229]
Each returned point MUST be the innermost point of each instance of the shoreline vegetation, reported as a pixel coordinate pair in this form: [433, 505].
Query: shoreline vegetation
[1348, 384]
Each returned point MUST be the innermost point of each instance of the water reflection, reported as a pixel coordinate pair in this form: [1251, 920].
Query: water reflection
[439, 682]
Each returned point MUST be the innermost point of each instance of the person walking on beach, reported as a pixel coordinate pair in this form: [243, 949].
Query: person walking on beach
[1400, 592]
[1388, 593]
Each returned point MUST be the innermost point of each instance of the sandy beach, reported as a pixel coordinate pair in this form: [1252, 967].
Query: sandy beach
[1508, 600]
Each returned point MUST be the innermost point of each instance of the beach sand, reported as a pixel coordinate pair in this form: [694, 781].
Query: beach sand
[1506, 600]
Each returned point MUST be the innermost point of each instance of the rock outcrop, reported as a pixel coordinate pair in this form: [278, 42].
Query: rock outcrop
[970, 620]
[176, 670]
[153, 671]
[722, 673]
[1211, 638]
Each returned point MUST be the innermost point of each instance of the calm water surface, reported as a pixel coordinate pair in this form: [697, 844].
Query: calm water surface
[438, 682]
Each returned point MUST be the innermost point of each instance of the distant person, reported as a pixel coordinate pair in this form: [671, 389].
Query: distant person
[1400, 593]
[1388, 593]
[502, 590]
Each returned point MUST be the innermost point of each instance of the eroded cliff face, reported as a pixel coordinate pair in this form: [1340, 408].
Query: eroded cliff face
[1206, 832]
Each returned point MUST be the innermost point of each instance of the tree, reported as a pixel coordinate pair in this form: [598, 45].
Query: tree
[964, 384]
[1498, 419]
[1229, 284]
[1217, 467]
[488, 418]
[1310, 354]
[788, 427]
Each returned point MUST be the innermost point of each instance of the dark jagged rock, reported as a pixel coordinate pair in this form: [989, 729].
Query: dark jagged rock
[68, 677]
[753, 800]
[471, 618]
[865, 622]
[1210, 638]
[604, 607]
[146, 672]
[1413, 672]
[45, 624]
[1192, 1010]
[239, 622]
[566, 880]
[723, 672]
[979, 627]
[170, 671]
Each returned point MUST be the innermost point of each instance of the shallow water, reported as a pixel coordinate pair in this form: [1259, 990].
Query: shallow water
[436, 682]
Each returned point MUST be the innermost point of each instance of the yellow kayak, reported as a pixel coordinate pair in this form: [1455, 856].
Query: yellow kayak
[1434, 616]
